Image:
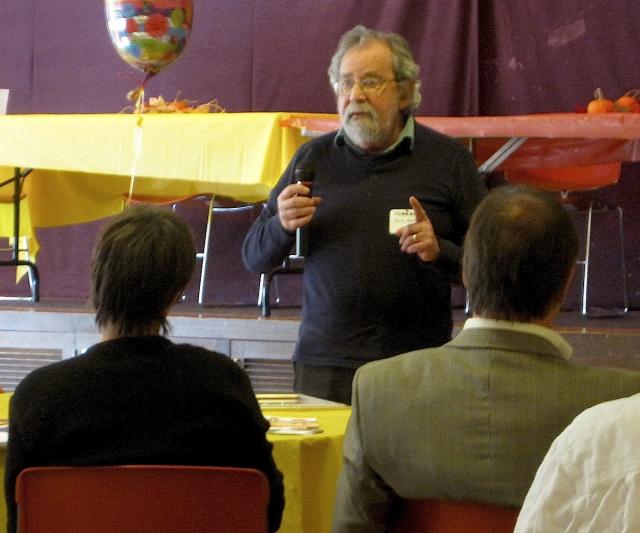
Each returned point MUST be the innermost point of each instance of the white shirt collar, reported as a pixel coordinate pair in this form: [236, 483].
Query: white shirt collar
[565, 349]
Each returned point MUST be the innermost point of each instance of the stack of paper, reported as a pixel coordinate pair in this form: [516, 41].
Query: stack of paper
[285, 425]
[276, 399]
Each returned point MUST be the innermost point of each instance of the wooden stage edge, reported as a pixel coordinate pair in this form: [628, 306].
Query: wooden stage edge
[66, 328]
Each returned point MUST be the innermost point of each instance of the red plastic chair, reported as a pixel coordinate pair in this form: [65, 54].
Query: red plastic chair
[434, 516]
[142, 499]
[572, 182]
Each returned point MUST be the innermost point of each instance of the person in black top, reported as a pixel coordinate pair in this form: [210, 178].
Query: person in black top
[136, 397]
[384, 228]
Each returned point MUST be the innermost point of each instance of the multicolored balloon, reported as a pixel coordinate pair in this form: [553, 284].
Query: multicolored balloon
[149, 34]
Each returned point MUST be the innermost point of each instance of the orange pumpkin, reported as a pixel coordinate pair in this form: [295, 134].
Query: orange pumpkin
[600, 104]
[628, 103]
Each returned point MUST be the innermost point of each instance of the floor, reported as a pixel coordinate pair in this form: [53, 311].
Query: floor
[597, 321]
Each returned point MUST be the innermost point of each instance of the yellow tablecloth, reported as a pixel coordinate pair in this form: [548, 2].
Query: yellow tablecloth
[83, 163]
[236, 154]
[310, 465]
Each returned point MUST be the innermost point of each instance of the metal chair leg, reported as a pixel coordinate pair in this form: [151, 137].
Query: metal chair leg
[623, 263]
[261, 289]
[205, 253]
[24, 246]
[585, 261]
[33, 277]
[584, 307]
[263, 295]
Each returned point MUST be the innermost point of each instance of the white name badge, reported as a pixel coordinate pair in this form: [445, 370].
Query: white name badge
[399, 218]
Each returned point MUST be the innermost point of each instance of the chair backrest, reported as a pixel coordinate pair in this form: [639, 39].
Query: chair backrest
[435, 516]
[226, 280]
[142, 499]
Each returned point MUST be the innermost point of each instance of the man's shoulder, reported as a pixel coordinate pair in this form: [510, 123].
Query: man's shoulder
[321, 143]
[318, 149]
[431, 136]
[596, 431]
[404, 365]
[621, 413]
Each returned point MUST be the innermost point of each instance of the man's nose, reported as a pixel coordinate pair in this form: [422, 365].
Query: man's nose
[357, 93]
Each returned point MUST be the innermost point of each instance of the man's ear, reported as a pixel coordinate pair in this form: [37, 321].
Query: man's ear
[406, 91]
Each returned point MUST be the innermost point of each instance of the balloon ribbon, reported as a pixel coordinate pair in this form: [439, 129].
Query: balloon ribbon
[137, 95]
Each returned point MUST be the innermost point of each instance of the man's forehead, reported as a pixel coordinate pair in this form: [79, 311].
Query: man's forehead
[371, 58]
[372, 73]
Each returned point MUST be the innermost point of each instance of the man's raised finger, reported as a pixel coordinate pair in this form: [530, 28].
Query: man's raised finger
[419, 211]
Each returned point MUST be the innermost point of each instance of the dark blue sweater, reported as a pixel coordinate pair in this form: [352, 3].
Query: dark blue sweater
[364, 299]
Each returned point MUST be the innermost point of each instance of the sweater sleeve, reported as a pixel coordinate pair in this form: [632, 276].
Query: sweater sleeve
[267, 243]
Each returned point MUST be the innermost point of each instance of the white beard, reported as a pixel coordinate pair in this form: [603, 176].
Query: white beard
[364, 131]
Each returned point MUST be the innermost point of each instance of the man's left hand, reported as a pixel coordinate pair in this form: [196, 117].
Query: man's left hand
[419, 237]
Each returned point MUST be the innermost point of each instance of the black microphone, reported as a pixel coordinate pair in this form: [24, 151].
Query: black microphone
[304, 173]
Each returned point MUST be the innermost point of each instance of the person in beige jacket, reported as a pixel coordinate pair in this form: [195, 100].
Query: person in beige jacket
[473, 419]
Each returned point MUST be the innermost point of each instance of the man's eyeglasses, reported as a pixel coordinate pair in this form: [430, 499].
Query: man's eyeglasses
[366, 85]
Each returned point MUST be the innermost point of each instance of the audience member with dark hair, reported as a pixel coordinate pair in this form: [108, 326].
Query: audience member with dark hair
[136, 397]
[473, 419]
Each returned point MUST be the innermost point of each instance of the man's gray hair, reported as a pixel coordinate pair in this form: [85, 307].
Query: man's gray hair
[404, 66]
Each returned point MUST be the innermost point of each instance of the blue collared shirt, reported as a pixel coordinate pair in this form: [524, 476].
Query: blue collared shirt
[407, 132]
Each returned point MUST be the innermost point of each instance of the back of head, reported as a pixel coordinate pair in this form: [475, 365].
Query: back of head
[404, 66]
[142, 262]
[519, 253]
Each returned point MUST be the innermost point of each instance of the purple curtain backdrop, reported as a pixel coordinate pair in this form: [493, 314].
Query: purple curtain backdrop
[251, 55]
[550, 56]
[477, 57]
